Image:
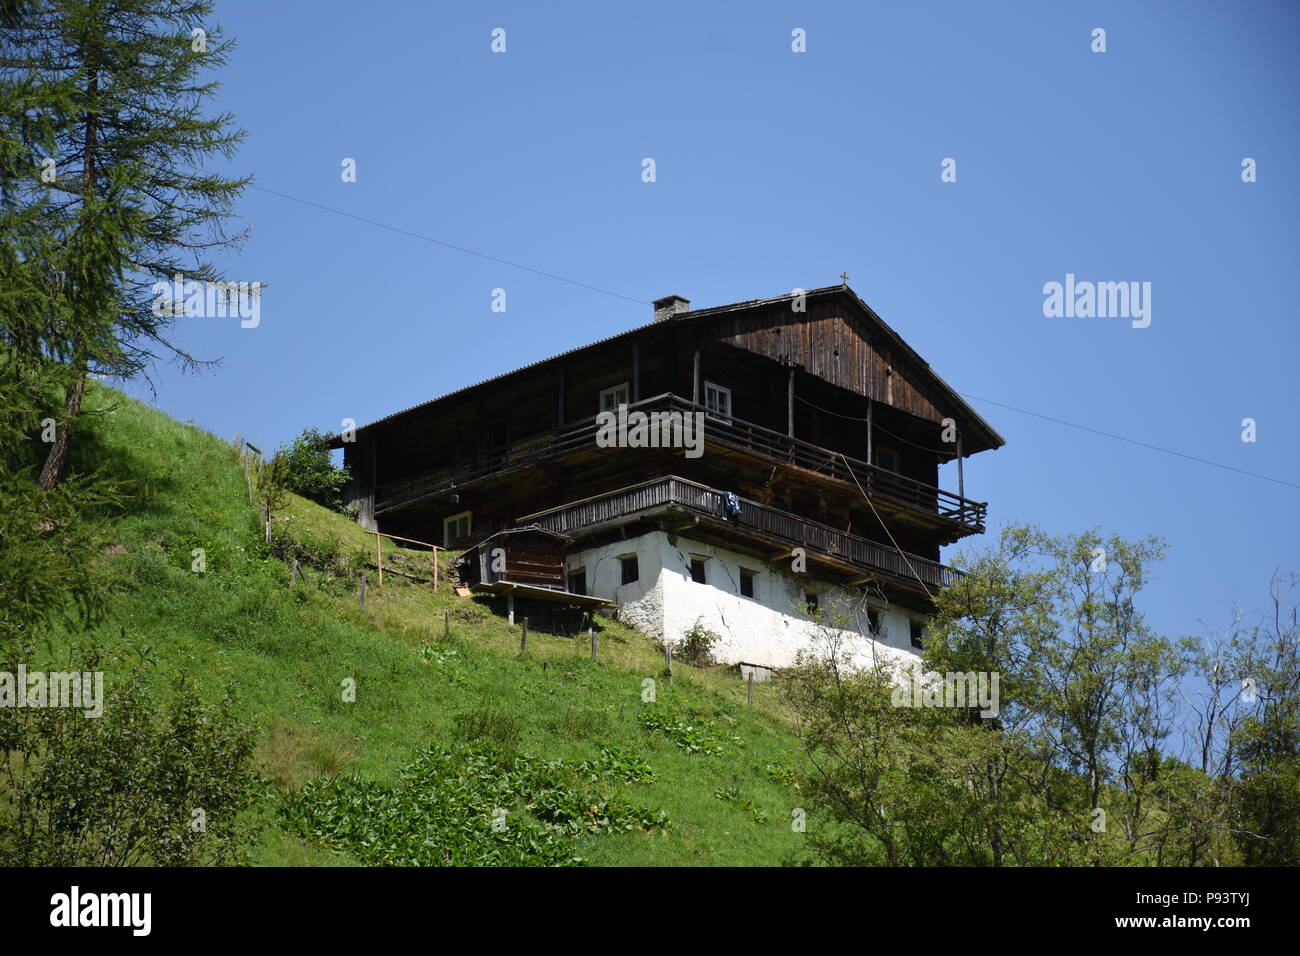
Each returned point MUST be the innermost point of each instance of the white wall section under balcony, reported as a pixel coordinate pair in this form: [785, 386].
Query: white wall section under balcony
[768, 629]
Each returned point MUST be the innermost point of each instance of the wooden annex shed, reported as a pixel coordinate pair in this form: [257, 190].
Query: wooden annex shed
[525, 562]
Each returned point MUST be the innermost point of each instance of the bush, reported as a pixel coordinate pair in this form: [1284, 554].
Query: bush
[697, 645]
[311, 473]
[125, 788]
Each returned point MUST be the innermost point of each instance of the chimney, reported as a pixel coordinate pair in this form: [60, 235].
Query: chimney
[669, 306]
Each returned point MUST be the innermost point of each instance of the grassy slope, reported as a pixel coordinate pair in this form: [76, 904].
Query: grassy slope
[286, 651]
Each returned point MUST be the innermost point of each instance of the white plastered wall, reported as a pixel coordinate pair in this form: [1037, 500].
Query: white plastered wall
[768, 629]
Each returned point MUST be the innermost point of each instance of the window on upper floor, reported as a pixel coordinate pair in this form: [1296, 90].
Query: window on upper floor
[611, 398]
[810, 602]
[578, 581]
[873, 620]
[697, 570]
[454, 528]
[630, 570]
[887, 458]
[717, 399]
[918, 633]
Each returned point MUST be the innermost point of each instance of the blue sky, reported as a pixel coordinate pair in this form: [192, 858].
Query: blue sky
[778, 169]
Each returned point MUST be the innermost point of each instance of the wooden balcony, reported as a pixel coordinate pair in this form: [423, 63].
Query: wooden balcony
[733, 435]
[854, 557]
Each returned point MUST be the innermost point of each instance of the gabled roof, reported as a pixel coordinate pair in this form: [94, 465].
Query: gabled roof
[992, 438]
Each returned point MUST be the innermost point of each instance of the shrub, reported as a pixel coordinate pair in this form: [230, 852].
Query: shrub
[128, 787]
[310, 471]
[696, 646]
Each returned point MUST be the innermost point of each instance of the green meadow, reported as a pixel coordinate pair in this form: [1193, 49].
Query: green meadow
[413, 730]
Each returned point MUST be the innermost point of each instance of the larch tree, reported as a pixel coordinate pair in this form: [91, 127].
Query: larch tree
[104, 110]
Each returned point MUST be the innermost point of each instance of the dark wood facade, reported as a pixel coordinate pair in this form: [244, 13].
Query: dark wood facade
[530, 555]
[833, 422]
[526, 562]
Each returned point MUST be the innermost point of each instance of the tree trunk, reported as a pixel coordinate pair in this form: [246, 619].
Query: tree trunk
[57, 459]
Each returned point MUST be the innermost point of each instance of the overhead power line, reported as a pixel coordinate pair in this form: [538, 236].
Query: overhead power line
[628, 298]
[448, 245]
[1132, 441]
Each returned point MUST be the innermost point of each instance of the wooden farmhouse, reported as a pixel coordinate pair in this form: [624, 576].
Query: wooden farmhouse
[755, 466]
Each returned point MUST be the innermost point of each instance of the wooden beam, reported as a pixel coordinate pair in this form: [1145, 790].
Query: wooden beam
[961, 477]
[636, 372]
[510, 589]
[870, 406]
[790, 402]
[695, 385]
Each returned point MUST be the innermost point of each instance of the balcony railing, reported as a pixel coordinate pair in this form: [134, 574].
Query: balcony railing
[733, 433]
[779, 527]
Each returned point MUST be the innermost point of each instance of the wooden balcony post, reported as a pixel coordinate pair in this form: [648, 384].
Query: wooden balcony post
[870, 453]
[961, 478]
[789, 400]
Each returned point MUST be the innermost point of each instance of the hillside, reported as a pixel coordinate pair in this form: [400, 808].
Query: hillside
[694, 778]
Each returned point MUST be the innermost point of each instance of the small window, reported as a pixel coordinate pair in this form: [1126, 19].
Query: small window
[746, 583]
[455, 528]
[887, 459]
[611, 398]
[918, 633]
[873, 620]
[810, 602]
[630, 570]
[718, 401]
[697, 570]
[578, 581]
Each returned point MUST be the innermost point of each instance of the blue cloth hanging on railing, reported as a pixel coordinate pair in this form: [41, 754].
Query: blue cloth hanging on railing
[731, 503]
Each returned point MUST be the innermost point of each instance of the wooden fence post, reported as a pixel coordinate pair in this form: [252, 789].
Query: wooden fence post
[379, 557]
[293, 575]
[363, 590]
[591, 632]
[751, 688]
[446, 625]
[523, 636]
[668, 657]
